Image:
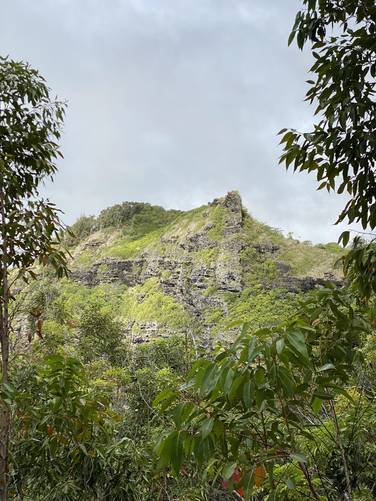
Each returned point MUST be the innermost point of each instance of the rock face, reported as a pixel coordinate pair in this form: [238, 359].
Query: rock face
[228, 267]
[199, 261]
[225, 269]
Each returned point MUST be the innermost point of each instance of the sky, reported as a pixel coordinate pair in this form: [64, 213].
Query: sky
[175, 103]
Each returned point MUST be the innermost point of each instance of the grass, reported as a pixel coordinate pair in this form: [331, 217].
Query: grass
[146, 235]
[85, 258]
[303, 258]
[148, 303]
[307, 259]
[126, 247]
[259, 307]
[205, 256]
[217, 217]
[74, 297]
[148, 220]
[256, 232]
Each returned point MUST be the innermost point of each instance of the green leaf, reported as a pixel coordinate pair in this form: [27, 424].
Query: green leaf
[228, 381]
[236, 387]
[206, 427]
[291, 38]
[298, 456]
[252, 349]
[247, 396]
[228, 471]
[344, 238]
[280, 344]
[296, 340]
[166, 396]
[290, 482]
[260, 376]
[209, 380]
[286, 380]
[182, 412]
[316, 405]
[176, 453]
[322, 395]
[326, 367]
[164, 449]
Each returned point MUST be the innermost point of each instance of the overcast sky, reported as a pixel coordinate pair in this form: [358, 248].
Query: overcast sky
[173, 102]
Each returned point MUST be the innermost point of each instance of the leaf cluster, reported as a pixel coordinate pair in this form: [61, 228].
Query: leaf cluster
[341, 148]
[253, 404]
[30, 126]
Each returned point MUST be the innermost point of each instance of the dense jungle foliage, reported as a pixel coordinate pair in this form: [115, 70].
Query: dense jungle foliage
[277, 403]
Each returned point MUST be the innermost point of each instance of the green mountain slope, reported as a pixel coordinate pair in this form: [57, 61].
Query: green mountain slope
[165, 271]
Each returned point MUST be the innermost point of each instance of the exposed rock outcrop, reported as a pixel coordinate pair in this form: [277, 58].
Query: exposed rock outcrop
[196, 258]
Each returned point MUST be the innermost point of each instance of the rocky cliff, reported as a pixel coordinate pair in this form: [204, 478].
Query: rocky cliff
[201, 269]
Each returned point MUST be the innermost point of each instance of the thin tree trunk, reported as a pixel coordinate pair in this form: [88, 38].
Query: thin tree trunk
[4, 343]
[4, 416]
[305, 471]
[343, 453]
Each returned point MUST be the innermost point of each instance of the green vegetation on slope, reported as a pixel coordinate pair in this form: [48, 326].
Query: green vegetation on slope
[303, 258]
[148, 303]
[134, 218]
[255, 306]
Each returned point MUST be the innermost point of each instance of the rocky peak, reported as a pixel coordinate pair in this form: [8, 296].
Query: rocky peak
[232, 201]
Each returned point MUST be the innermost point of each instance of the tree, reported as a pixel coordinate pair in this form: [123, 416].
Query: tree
[261, 406]
[277, 392]
[30, 124]
[66, 426]
[100, 335]
[341, 148]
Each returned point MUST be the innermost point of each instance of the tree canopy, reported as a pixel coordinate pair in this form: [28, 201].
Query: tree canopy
[30, 124]
[341, 147]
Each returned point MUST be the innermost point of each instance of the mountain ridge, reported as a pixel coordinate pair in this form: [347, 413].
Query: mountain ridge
[198, 269]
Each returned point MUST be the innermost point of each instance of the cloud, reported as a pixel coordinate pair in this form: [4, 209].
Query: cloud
[173, 102]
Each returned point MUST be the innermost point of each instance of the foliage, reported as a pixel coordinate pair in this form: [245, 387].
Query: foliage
[136, 219]
[153, 366]
[126, 246]
[148, 303]
[256, 403]
[30, 229]
[81, 229]
[270, 402]
[30, 123]
[360, 267]
[100, 335]
[272, 405]
[73, 298]
[287, 410]
[174, 351]
[217, 216]
[301, 258]
[119, 215]
[261, 308]
[340, 150]
[66, 430]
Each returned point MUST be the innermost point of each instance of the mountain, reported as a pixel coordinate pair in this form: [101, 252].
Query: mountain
[198, 271]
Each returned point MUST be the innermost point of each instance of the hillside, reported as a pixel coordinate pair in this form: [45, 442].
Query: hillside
[149, 293]
[167, 271]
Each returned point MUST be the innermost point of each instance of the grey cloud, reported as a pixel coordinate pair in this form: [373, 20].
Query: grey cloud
[173, 102]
